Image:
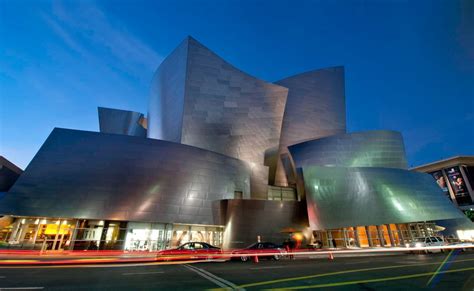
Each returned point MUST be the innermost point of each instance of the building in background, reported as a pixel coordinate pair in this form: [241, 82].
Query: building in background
[226, 158]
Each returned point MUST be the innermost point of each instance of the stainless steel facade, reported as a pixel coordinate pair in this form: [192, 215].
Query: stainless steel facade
[121, 122]
[80, 174]
[247, 220]
[165, 109]
[340, 197]
[219, 107]
[214, 133]
[315, 108]
[9, 173]
[378, 148]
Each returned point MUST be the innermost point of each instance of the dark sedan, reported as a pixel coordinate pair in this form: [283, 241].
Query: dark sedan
[260, 249]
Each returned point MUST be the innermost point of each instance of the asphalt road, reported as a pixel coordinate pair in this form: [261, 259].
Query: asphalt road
[396, 272]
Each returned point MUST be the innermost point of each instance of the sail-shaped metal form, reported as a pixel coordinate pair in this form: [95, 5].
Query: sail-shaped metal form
[315, 108]
[199, 99]
[362, 179]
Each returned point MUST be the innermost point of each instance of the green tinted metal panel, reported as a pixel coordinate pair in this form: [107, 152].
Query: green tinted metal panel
[378, 148]
[342, 197]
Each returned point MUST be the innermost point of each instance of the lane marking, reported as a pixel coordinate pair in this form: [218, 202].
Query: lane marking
[142, 273]
[222, 281]
[374, 280]
[439, 268]
[340, 273]
[218, 283]
[263, 268]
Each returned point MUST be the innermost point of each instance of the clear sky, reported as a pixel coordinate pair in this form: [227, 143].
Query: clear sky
[409, 64]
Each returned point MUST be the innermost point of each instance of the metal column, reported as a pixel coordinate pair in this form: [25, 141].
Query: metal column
[380, 235]
[369, 236]
[400, 234]
[390, 235]
[356, 236]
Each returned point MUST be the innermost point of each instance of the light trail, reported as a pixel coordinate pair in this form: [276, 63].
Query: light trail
[218, 256]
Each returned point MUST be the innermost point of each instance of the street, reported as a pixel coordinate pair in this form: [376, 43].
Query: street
[443, 271]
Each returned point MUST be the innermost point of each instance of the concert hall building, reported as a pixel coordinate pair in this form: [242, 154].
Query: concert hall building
[226, 158]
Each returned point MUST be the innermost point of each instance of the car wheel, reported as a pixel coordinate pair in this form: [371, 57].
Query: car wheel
[244, 258]
[276, 257]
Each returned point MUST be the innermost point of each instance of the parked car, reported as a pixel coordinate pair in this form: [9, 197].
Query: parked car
[427, 242]
[271, 251]
[189, 251]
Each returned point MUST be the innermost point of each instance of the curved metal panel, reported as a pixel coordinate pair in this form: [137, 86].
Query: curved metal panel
[315, 108]
[343, 197]
[200, 100]
[82, 174]
[229, 111]
[379, 148]
[165, 109]
[245, 220]
[118, 121]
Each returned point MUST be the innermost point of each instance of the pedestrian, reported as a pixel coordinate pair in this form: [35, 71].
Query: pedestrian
[291, 246]
[334, 243]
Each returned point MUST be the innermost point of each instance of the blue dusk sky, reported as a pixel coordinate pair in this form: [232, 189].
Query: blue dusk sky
[409, 64]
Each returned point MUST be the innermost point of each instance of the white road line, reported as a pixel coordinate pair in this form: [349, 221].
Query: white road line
[142, 273]
[218, 283]
[215, 277]
[211, 277]
[2, 277]
[263, 268]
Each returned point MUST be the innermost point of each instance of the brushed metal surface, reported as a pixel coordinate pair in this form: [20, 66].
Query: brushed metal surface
[80, 174]
[342, 197]
[201, 100]
[245, 220]
[118, 121]
[378, 148]
[315, 107]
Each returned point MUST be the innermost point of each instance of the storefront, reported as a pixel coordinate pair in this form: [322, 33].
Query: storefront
[390, 235]
[73, 234]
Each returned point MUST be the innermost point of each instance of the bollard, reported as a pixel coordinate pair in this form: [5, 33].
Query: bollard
[255, 259]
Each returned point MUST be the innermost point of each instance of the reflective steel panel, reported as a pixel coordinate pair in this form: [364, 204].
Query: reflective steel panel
[342, 197]
[378, 148]
[200, 100]
[315, 108]
[165, 109]
[245, 220]
[82, 174]
[121, 122]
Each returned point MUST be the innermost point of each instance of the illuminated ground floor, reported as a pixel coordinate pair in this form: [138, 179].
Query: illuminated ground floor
[389, 235]
[79, 234]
